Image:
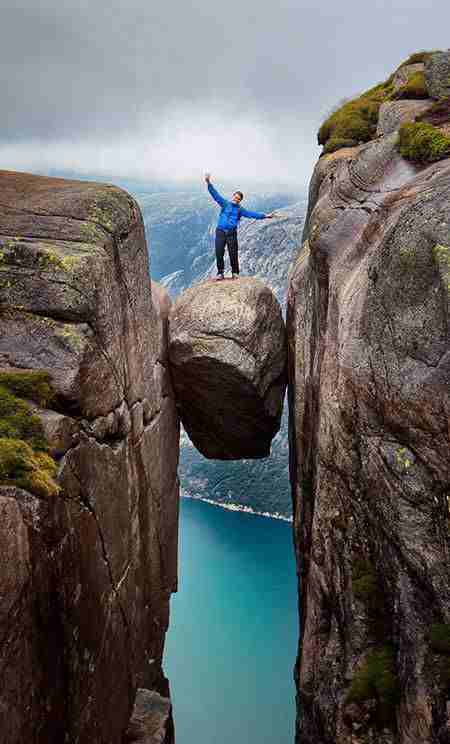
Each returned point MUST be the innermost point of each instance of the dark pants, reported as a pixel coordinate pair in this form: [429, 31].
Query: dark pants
[230, 239]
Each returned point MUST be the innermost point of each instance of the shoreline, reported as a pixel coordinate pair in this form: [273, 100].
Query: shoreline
[236, 507]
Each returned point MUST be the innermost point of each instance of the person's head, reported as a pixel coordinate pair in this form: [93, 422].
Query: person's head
[237, 197]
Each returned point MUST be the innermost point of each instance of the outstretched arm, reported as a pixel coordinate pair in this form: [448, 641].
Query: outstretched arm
[215, 194]
[253, 215]
[258, 215]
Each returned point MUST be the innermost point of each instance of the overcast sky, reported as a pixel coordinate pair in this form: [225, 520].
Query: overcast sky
[168, 89]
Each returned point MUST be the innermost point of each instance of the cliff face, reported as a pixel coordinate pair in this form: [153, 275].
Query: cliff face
[368, 364]
[87, 570]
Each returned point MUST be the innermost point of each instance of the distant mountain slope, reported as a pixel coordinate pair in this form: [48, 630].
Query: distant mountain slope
[180, 233]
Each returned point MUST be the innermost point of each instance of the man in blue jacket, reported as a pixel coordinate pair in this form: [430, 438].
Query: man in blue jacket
[226, 231]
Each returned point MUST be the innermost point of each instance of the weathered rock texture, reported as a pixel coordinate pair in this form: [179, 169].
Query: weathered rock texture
[369, 402]
[437, 74]
[86, 576]
[151, 720]
[227, 351]
[394, 113]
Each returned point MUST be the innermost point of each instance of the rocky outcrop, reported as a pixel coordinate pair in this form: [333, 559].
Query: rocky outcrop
[394, 113]
[368, 361]
[87, 573]
[151, 719]
[227, 353]
[437, 74]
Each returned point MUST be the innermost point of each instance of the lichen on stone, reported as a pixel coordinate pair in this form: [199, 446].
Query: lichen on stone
[71, 336]
[403, 461]
[441, 254]
[407, 256]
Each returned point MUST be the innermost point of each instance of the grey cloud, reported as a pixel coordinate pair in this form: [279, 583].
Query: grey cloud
[77, 74]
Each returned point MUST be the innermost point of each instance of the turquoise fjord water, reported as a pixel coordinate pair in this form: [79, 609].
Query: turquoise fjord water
[231, 646]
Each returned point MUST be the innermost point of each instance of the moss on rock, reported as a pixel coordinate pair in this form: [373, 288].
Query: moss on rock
[32, 384]
[357, 119]
[18, 421]
[415, 87]
[21, 466]
[364, 580]
[376, 680]
[336, 143]
[422, 142]
[440, 638]
[24, 461]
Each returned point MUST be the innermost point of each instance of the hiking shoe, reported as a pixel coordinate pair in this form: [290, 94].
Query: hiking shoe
[219, 277]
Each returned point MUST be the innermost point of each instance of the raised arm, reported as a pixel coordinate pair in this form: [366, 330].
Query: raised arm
[214, 193]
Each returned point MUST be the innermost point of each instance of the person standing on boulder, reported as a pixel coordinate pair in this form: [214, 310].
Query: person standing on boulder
[226, 231]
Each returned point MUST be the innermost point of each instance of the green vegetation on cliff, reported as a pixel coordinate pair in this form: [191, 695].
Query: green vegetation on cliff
[355, 121]
[364, 580]
[423, 142]
[376, 680]
[440, 638]
[21, 466]
[34, 385]
[415, 87]
[24, 461]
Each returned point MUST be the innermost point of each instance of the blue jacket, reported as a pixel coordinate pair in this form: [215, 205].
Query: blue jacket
[231, 213]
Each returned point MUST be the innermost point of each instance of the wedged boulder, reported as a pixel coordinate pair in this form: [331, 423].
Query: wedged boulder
[227, 352]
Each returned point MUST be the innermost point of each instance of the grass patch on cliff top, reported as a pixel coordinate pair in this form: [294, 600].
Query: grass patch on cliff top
[423, 142]
[355, 121]
[24, 461]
